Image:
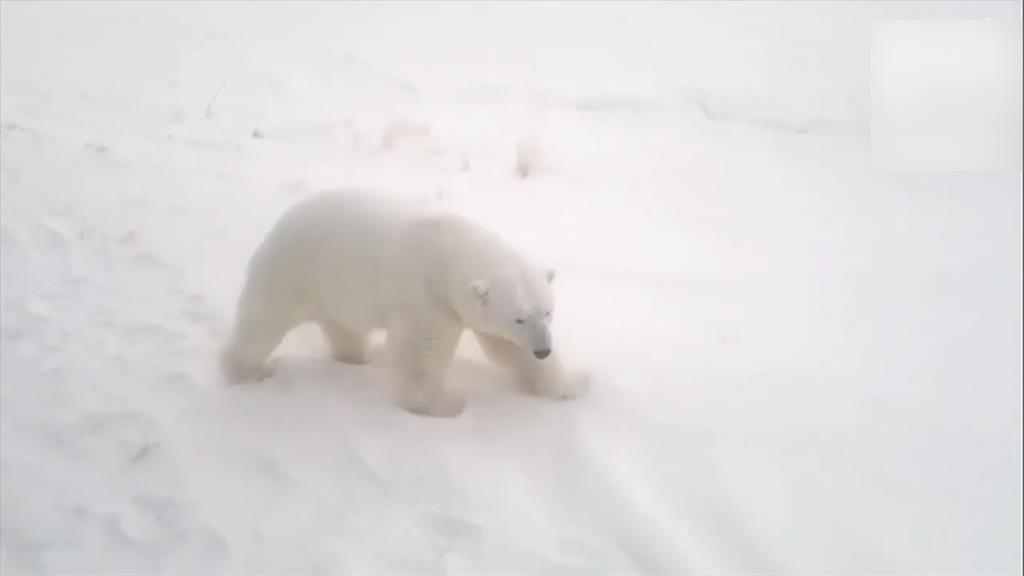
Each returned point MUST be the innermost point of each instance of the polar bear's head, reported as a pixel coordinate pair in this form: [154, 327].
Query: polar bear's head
[517, 306]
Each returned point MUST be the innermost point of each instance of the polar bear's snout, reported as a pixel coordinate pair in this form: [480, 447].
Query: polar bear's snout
[540, 342]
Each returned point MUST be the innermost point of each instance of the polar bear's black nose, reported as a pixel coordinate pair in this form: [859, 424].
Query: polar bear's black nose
[542, 354]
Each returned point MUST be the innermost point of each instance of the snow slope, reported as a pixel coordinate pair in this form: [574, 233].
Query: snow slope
[800, 365]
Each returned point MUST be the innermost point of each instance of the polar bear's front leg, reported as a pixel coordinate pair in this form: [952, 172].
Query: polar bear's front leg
[541, 377]
[420, 350]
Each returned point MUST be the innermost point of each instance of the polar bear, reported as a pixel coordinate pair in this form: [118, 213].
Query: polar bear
[354, 262]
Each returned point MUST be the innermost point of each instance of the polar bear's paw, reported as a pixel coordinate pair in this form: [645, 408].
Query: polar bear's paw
[236, 371]
[446, 406]
[571, 385]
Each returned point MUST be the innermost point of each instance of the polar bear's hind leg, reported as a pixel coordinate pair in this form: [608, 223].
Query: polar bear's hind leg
[257, 333]
[347, 345]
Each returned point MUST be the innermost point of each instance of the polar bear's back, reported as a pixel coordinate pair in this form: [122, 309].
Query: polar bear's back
[327, 255]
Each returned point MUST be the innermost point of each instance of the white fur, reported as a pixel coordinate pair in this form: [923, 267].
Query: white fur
[354, 263]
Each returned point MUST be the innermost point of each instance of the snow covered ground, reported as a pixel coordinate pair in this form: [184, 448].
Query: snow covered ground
[801, 365]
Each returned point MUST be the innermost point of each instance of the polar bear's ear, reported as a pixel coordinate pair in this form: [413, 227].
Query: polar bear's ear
[549, 273]
[480, 290]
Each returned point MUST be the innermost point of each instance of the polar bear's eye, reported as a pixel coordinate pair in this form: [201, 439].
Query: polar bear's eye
[520, 320]
[547, 314]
